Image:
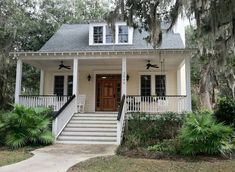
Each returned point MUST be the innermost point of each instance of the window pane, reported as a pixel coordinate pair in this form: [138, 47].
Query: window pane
[98, 34]
[59, 85]
[70, 85]
[160, 85]
[145, 85]
[123, 34]
[109, 35]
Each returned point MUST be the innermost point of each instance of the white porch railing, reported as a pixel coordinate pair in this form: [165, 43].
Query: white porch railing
[156, 104]
[63, 116]
[54, 102]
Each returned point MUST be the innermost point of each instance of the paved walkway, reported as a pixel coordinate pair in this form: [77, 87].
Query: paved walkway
[59, 157]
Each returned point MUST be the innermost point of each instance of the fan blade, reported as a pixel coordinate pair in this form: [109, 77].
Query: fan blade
[67, 67]
[155, 66]
[147, 67]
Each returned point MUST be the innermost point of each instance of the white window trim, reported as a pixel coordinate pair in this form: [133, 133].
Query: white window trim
[130, 34]
[66, 75]
[152, 74]
[104, 25]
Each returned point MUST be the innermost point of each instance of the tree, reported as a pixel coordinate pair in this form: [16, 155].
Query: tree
[215, 33]
[26, 26]
[146, 15]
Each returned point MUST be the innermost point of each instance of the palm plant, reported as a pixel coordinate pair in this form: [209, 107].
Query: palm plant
[24, 126]
[202, 135]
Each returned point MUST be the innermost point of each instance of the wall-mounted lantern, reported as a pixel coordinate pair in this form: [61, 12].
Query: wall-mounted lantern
[89, 77]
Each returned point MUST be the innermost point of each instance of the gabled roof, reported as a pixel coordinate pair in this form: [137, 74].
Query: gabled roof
[75, 37]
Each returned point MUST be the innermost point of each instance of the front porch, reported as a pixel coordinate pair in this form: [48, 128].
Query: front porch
[104, 79]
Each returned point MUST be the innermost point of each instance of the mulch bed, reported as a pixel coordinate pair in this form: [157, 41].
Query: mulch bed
[144, 153]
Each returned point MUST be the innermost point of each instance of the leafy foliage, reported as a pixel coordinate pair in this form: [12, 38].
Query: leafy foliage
[225, 112]
[26, 26]
[1, 125]
[202, 135]
[145, 15]
[145, 129]
[24, 126]
[167, 146]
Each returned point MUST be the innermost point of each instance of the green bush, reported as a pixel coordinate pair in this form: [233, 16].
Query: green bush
[201, 134]
[225, 111]
[24, 126]
[145, 129]
[1, 126]
[132, 141]
[167, 146]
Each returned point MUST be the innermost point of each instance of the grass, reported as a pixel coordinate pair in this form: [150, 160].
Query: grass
[124, 164]
[11, 156]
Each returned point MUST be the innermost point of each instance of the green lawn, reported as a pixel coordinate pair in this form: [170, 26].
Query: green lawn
[124, 164]
[8, 156]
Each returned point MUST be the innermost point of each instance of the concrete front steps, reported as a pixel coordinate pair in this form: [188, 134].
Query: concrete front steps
[90, 128]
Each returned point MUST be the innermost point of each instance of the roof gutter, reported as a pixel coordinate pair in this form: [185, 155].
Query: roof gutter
[84, 53]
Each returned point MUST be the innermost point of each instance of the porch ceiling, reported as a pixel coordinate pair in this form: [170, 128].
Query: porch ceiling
[171, 62]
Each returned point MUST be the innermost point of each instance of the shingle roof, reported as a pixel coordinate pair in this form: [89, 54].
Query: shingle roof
[75, 37]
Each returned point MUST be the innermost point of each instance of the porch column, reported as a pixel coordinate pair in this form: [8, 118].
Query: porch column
[124, 84]
[42, 74]
[18, 80]
[188, 83]
[75, 76]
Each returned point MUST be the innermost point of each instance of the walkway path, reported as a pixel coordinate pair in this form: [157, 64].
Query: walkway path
[59, 157]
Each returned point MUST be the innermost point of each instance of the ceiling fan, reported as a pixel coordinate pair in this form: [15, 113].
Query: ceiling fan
[61, 65]
[148, 65]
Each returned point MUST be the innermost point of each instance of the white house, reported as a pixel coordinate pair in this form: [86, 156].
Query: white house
[92, 79]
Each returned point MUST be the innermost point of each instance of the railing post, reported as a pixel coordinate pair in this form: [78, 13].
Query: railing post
[54, 126]
[118, 132]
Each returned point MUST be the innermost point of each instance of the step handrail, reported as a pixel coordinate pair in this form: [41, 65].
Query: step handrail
[121, 107]
[63, 116]
[63, 107]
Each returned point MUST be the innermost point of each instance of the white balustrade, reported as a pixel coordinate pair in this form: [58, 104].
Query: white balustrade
[64, 117]
[156, 104]
[54, 102]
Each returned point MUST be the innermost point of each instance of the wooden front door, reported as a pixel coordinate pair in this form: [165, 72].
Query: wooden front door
[107, 92]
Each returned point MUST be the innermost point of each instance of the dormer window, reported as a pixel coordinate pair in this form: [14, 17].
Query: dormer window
[102, 34]
[109, 35]
[98, 34]
[122, 34]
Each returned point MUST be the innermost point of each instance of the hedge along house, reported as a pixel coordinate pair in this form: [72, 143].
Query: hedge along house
[92, 79]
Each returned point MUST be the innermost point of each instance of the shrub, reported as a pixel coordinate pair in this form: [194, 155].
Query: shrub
[132, 141]
[169, 124]
[225, 111]
[202, 135]
[24, 126]
[167, 146]
[1, 127]
[149, 129]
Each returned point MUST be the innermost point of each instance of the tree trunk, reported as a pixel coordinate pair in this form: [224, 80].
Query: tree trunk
[203, 88]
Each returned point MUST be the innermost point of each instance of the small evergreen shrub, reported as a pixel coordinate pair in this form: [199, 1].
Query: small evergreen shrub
[166, 146]
[225, 111]
[201, 134]
[25, 126]
[1, 128]
[169, 124]
[148, 129]
[132, 141]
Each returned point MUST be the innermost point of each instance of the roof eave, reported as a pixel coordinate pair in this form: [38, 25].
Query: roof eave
[72, 53]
